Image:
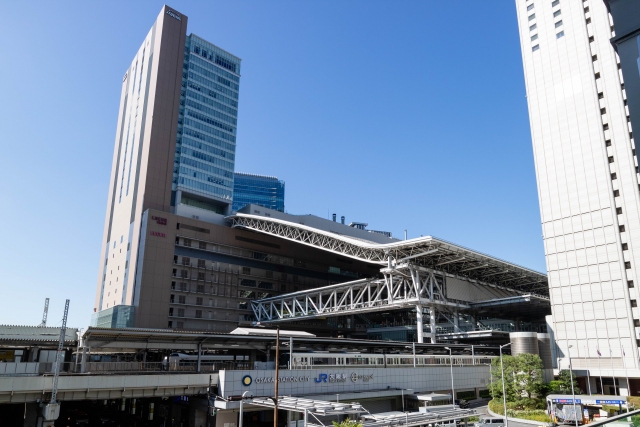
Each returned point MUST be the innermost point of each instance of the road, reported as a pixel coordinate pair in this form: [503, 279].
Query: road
[481, 408]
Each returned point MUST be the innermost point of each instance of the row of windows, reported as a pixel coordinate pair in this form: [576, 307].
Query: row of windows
[208, 148]
[208, 129]
[210, 139]
[211, 102]
[196, 185]
[216, 69]
[210, 121]
[201, 176]
[191, 103]
[205, 167]
[196, 69]
[211, 84]
[206, 157]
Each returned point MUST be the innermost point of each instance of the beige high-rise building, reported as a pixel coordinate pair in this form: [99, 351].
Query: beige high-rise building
[588, 186]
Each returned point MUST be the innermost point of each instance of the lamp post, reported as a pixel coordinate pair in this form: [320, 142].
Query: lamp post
[244, 396]
[573, 392]
[504, 394]
[453, 390]
[403, 390]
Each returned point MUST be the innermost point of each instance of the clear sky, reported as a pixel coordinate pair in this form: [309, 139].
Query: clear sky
[402, 114]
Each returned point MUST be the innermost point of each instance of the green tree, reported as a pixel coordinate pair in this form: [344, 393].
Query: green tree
[347, 423]
[523, 380]
[562, 385]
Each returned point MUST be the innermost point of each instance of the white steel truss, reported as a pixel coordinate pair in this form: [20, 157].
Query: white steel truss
[427, 252]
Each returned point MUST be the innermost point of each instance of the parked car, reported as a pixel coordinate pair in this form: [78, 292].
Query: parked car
[463, 404]
[490, 422]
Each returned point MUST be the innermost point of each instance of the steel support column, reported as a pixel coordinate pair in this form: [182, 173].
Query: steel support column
[419, 324]
[456, 321]
[432, 324]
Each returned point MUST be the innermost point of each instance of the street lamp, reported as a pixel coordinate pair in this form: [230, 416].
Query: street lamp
[504, 394]
[244, 396]
[453, 390]
[403, 390]
[573, 393]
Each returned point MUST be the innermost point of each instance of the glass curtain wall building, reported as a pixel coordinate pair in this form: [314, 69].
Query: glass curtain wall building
[206, 139]
[266, 191]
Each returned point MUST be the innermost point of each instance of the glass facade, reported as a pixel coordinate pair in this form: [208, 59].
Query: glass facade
[120, 316]
[267, 191]
[206, 138]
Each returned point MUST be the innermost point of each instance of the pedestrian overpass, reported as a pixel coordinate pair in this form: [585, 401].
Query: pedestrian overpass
[426, 273]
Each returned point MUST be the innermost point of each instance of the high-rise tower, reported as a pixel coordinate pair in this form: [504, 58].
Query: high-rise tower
[174, 146]
[588, 186]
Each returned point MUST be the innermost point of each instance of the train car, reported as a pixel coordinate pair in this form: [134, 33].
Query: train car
[313, 360]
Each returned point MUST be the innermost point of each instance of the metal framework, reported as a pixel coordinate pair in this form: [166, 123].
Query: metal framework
[43, 324]
[414, 274]
[428, 252]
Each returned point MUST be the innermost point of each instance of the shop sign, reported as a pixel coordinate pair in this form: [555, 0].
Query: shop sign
[157, 233]
[159, 220]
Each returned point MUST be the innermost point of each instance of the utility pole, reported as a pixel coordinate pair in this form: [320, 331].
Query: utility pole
[275, 400]
[43, 324]
[51, 411]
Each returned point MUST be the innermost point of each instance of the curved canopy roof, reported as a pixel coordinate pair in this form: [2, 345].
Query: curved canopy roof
[428, 252]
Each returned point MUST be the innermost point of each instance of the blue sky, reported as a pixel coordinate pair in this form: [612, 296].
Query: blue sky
[406, 115]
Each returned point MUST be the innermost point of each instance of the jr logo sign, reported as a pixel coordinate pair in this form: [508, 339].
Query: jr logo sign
[321, 378]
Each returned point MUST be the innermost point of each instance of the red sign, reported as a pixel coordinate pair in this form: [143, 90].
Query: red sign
[159, 220]
[157, 233]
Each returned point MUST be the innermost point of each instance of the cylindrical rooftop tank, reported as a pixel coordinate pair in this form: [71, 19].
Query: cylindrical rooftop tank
[524, 342]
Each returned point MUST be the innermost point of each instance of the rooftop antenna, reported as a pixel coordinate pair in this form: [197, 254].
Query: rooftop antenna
[44, 314]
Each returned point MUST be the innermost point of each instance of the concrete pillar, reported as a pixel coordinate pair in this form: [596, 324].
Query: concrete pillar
[419, 324]
[84, 360]
[432, 324]
[30, 414]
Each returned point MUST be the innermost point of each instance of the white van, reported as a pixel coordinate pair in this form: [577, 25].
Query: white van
[490, 422]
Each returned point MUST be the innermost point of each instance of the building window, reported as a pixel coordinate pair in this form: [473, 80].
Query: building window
[183, 286]
[180, 325]
[534, 37]
[184, 274]
[186, 260]
[594, 58]
[532, 17]
[634, 303]
[200, 276]
[295, 279]
[630, 283]
[560, 35]
[619, 211]
[557, 13]
[199, 301]
[603, 111]
[605, 126]
[559, 23]
[202, 245]
[265, 285]
[555, 3]
[200, 289]
[283, 288]
[607, 143]
[614, 176]
[182, 299]
[536, 47]
[627, 265]
[198, 314]
[625, 246]
[533, 27]
[611, 159]
[588, 20]
[269, 274]
[246, 270]
[636, 322]
[187, 242]
[248, 283]
[202, 263]
[621, 228]
[173, 285]
[171, 311]
[600, 95]
[591, 39]
[586, 9]
[530, 6]
[172, 298]
[181, 312]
